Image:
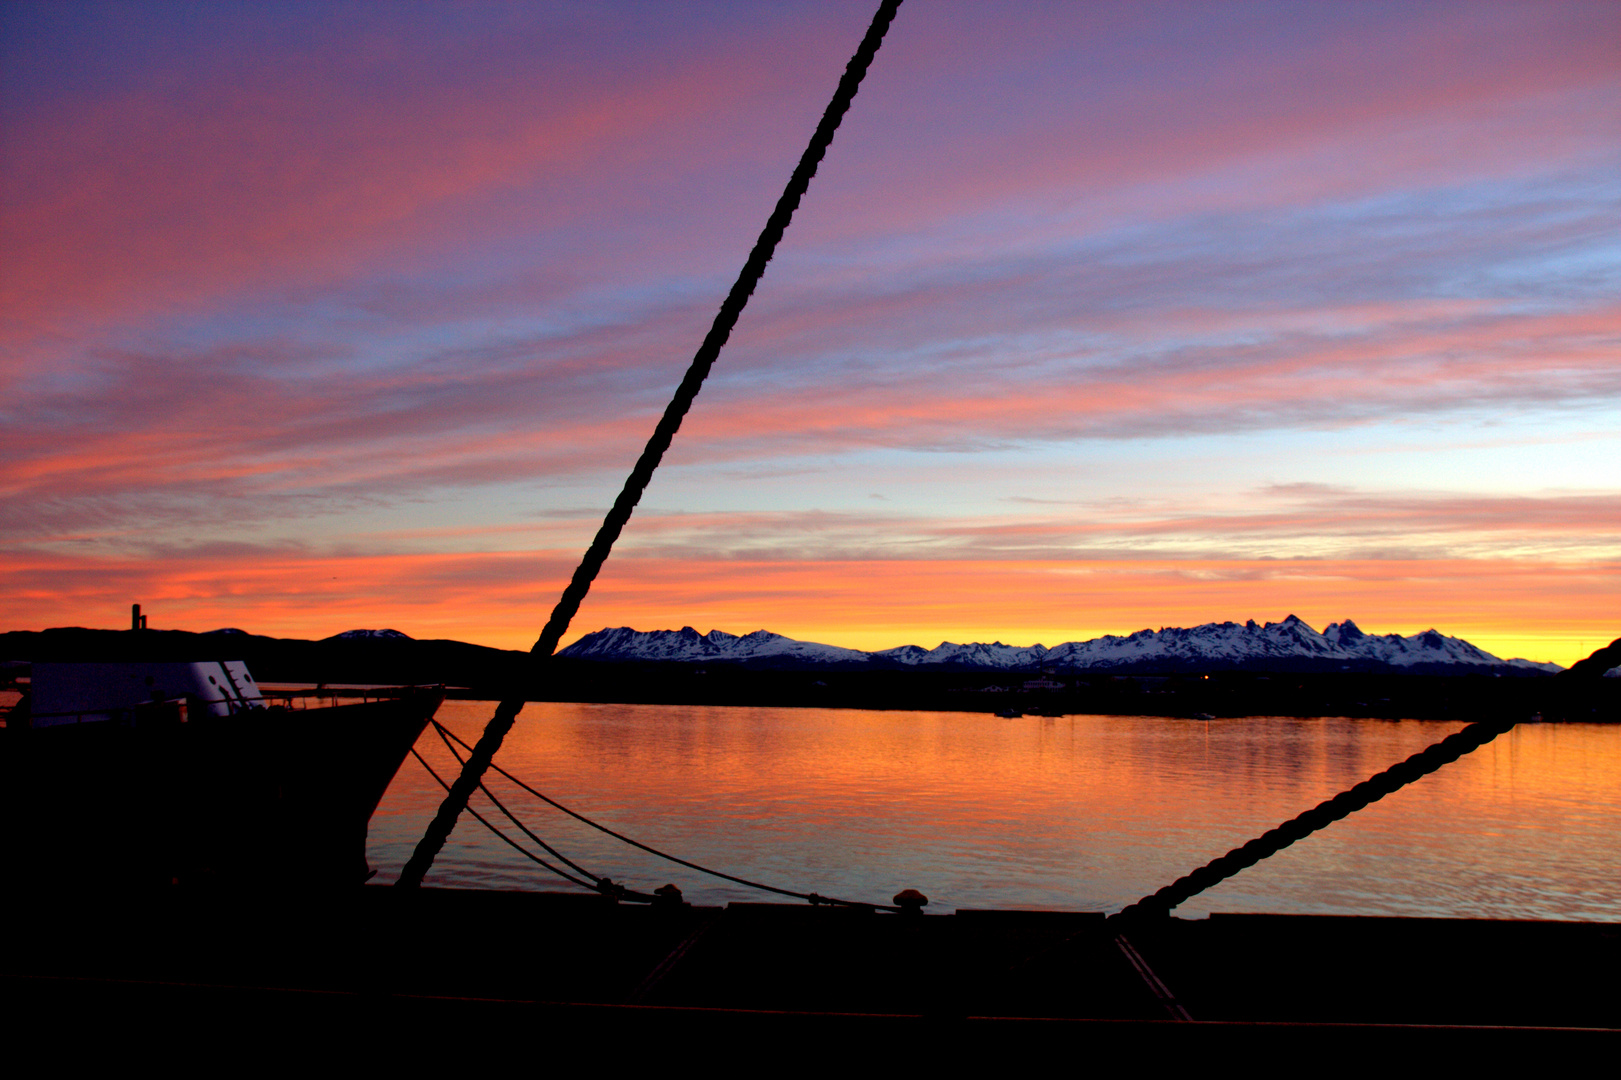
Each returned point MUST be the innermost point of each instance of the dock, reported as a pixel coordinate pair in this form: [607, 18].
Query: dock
[380, 968]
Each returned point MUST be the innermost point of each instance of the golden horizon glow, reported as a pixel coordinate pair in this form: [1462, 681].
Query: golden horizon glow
[502, 599]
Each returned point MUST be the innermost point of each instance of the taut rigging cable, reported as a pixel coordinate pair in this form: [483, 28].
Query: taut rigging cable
[603, 885]
[490, 826]
[753, 269]
[813, 898]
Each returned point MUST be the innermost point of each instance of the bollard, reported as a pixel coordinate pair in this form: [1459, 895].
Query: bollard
[910, 901]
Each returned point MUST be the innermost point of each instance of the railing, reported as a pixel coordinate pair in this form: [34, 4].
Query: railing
[329, 697]
[180, 709]
[163, 710]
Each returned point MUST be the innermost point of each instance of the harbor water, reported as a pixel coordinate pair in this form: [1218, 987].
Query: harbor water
[1084, 813]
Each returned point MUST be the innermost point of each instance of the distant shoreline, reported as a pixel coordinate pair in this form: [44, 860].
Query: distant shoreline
[1222, 695]
[481, 673]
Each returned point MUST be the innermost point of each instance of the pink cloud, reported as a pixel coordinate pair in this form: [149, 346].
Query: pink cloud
[1078, 104]
[246, 431]
[269, 169]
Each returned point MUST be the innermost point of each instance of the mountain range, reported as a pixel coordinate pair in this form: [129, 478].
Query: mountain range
[1339, 672]
[590, 666]
[1290, 643]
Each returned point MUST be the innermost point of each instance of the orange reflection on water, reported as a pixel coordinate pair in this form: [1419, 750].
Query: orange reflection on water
[1074, 812]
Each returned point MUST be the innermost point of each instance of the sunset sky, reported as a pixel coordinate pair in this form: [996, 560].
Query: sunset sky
[1096, 318]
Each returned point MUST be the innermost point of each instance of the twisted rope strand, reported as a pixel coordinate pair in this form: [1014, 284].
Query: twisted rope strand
[1321, 816]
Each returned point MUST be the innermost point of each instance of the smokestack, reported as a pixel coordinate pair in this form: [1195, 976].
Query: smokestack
[137, 621]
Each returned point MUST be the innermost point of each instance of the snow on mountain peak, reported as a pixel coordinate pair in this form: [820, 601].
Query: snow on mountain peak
[1343, 633]
[1290, 640]
[687, 645]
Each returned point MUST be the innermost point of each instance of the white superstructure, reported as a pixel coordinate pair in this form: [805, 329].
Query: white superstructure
[90, 693]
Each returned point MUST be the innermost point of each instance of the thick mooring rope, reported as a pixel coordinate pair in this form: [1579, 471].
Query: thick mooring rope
[1321, 816]
[513, 700]
[812, 898]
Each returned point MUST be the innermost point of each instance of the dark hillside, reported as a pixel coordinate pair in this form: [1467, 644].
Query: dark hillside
[391, 661]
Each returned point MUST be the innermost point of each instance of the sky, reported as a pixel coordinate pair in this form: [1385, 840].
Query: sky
[1097, 317]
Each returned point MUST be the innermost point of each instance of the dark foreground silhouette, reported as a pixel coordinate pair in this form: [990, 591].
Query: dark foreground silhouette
[577, 977]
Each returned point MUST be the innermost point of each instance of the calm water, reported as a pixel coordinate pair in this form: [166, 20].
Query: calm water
[1079, 813]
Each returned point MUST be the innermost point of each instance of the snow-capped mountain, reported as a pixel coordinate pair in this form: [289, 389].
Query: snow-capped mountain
[1291, 639]
[350, 635]
[994, 655]
[1290, 643]
[687, 645]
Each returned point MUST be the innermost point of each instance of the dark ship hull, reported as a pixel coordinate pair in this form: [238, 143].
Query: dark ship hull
[268, 797]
